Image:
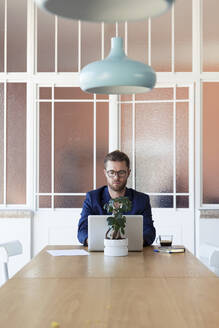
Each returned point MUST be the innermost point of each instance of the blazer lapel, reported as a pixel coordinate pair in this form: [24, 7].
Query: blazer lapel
[105, 198]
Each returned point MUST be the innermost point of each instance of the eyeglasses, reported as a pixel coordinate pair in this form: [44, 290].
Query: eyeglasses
[112, 173]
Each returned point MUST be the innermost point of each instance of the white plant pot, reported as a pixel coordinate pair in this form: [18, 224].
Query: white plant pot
[116, 247]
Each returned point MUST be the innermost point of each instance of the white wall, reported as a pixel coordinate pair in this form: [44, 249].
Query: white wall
[58, 227]
[209, 231]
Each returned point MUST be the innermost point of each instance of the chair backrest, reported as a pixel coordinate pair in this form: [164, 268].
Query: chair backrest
[8, 249]
[12, 248]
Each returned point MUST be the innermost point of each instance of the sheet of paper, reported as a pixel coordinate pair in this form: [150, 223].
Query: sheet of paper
[67, 252]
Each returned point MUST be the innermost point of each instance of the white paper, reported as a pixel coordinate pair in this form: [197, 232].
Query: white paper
[68, 252]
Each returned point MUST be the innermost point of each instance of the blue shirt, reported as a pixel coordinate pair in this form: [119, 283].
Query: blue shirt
[95, 200]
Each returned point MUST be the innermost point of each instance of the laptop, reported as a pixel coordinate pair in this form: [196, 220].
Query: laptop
[97, 227]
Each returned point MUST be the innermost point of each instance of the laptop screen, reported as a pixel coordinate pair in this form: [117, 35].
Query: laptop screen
[98, 226]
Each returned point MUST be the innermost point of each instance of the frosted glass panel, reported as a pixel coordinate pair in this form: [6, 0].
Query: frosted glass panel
[210, 142]
[154, 147]
[182, 147]
[1, 141]
[183, 35]
[17, 35]
[161, 43]
[126, 97]
[45, 93]
[69, 202]
[102, 96]
[182, 93]
[16, 143]
[73, 147]
[71, 93]
[182, 201]
[45, 202]
[45, 41]
[90, 42]
[45, 148]
[126, 133]
[2, 29]
[210, 35]
[156, 94]
[67, 45]
[161, 201]
[102, 137]
[137, 46]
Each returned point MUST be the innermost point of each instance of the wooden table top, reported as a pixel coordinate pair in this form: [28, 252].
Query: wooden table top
[135, 265]
[141, 290]
[111, 302]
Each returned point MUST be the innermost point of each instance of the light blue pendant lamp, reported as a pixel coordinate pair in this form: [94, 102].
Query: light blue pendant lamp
[117, 74]
[106, 10]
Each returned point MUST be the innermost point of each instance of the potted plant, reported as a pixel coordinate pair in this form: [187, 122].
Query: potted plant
[115, 242]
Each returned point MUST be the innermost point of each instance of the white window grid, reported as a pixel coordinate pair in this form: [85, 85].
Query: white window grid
[94, 101]
[174, 101]
[32, 78]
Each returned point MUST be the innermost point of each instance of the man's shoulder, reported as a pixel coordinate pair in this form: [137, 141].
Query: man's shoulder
[138, 194]
[96, 192]
[97, 196]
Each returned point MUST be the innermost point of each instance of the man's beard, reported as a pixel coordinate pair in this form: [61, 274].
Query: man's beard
[119, 187]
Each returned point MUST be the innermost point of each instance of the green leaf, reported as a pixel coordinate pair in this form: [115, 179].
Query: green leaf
[117, 222]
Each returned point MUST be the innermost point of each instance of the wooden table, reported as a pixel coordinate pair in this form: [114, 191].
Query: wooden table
[142, 290]
[136, 265]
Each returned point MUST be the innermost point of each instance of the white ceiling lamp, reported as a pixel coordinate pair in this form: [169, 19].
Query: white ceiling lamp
[106, 10]
[117, 74]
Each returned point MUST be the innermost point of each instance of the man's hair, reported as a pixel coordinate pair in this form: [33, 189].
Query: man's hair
[117, 156]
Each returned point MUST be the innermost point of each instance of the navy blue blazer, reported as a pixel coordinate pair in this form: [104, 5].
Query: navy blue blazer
[95, 200]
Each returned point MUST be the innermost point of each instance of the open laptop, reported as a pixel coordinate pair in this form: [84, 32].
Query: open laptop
[97, 227]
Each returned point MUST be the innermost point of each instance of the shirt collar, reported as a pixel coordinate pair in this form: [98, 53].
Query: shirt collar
[106, 195]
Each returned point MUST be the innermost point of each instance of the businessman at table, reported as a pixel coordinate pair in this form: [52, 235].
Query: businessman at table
[116, 171]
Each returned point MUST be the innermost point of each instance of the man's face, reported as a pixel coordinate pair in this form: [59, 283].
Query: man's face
[116, 174]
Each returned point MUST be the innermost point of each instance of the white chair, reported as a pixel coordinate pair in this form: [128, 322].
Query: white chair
[11, 248]
[209, 255]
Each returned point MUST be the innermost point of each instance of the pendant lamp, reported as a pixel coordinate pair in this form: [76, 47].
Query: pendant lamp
[117, 74]
[106, 10]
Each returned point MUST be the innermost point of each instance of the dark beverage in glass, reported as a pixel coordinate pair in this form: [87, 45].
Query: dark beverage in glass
[165, 243]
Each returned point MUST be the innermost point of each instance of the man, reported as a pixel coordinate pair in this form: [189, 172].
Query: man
[117, 171]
